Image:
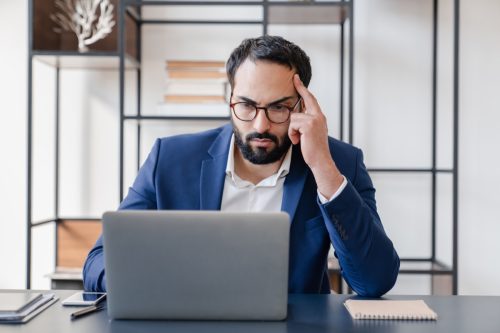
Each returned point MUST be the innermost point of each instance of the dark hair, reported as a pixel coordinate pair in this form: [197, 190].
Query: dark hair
[270, 48]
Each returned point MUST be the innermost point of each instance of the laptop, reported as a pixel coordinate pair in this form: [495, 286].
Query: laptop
[196, 265]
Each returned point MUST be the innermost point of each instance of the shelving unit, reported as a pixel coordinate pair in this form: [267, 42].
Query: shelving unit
[126, 55]
[273, 12]
[94, 60]
[59, 52]
[444, 278]
[122, 52]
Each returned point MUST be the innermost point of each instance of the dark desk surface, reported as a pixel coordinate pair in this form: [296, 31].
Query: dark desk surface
[307, 313]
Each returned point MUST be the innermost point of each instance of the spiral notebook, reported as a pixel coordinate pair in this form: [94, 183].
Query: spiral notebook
[390, 309]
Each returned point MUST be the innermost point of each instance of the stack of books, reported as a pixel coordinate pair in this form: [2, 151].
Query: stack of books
[20, 307]
[195, 89]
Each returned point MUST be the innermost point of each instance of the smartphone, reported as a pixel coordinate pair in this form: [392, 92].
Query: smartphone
[84, 298]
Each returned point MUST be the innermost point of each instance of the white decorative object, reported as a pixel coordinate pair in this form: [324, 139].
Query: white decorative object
[80, 17]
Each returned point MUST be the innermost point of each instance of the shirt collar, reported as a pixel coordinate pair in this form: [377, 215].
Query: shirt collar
[271, 180]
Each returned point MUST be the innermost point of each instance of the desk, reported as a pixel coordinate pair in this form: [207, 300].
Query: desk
[307, 313]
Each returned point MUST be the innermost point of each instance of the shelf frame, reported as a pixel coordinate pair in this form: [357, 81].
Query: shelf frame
[126, 62]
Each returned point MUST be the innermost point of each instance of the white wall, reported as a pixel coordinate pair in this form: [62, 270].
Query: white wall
[13, 60]
[392, 107]
[479, 271]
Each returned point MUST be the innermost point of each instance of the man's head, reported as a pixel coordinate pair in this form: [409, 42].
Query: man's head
[260, 73]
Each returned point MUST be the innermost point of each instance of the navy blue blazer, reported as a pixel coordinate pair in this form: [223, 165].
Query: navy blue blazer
[186, 172]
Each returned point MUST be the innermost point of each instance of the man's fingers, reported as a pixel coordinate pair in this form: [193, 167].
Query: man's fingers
[311, 104]
[294, 132]
[309, 121]
[299, 123]
[301, 88]
[294, 137]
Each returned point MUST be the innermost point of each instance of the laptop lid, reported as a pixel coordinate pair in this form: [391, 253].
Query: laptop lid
[196, 265]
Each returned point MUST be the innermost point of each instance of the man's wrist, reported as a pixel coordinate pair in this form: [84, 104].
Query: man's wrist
[324, 200]
[328, 179]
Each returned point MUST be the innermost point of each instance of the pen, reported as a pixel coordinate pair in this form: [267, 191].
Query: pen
[86, 311]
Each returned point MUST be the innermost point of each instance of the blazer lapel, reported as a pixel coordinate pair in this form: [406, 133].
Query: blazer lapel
[213, 171]
[294, 183]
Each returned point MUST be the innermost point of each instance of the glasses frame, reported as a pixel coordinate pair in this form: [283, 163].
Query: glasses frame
[265, 108]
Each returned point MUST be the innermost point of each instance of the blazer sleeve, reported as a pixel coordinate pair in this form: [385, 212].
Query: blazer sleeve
[142, 195]
[367, 257]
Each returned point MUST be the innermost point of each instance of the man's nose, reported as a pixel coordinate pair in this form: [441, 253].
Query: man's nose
[261, 124]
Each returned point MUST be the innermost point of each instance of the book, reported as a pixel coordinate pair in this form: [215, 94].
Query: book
[15, 302]
[197, 87]
[196, 91]
[390, 309]
[187, 69]
[195, 74]
[182, 64]
[29, 310]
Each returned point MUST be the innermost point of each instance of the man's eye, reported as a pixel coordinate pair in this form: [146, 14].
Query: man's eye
[247, 106]
[278, 108]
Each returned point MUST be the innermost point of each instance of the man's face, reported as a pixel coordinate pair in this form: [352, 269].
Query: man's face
[262, 84]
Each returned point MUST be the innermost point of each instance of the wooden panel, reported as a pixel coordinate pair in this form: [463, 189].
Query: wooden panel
[335, 279]
[307, 14]
[131, 31]
[442, 284]
[334, 275]
[74, 241]
[45, 39]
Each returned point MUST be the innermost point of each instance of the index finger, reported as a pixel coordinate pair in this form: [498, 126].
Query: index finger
[310, 101]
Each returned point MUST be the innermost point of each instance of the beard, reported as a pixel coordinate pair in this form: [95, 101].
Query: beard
[260, 155]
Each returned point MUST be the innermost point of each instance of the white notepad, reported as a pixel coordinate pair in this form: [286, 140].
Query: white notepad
[390, 309]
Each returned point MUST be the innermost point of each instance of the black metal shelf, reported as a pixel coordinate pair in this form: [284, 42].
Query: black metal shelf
[93, 60]
[143, 117]
[437, 270]
[56, 220]
[424, 267]
[408, 266]
[273, 12]
[143, 3]
[327, 12]
[409, 170]
[199, 22]
[42, 222]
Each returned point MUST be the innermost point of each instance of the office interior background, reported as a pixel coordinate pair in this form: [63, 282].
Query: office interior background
[392, 104]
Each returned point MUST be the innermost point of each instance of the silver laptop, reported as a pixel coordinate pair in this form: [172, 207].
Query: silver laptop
[196, 265]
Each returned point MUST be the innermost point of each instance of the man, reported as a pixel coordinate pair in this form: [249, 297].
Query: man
[275, 155]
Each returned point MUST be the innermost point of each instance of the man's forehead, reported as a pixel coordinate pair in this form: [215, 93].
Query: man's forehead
[263, 81]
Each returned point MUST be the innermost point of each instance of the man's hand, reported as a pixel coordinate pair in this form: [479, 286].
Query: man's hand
[310, 129]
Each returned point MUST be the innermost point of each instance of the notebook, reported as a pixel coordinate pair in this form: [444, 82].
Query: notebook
[390, 309]
[12, 303]
[19, 312]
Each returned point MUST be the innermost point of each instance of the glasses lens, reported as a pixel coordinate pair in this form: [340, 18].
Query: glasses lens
[244, 111]
[278, 113]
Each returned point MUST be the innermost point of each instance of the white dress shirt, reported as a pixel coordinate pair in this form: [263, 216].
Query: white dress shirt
[243, 196]
[266, 196]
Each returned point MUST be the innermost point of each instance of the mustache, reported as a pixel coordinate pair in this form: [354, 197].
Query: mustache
[265, 135]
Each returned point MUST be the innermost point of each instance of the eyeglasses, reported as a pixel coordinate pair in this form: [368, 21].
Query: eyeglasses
[276, 113]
